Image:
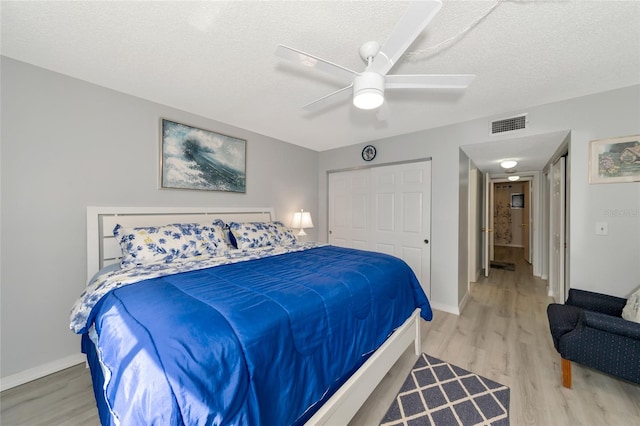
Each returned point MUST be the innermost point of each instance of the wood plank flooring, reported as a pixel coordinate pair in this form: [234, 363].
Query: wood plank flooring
[502, 334]
[63, 398]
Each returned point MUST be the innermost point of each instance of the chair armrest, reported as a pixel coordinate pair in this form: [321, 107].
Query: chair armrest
[612, 325]
[596, 302]
[562, 320]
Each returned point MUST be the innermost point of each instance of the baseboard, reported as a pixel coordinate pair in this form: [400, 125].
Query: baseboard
[445, 308]
[40, 371]
[464, 302]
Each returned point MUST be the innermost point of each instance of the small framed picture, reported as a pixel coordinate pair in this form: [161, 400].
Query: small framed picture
[614, 160]
[517, 201]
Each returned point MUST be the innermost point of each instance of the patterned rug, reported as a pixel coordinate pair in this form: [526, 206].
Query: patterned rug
[440, 394]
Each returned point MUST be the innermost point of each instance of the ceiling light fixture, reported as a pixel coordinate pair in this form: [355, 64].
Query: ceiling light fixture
[513, 178]
[368, 90]
[508, 164]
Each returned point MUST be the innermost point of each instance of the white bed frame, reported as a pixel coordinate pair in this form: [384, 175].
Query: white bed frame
[102, 250]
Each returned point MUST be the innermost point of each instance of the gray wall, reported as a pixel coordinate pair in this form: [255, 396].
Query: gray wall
[610, 264]
[463, 224]
[67, 144]
[475, 192]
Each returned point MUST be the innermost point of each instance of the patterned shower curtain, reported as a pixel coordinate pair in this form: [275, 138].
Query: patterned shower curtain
[502, 218]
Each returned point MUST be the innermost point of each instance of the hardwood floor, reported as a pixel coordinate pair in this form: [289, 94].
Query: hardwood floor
[63, 398]
[502, 334]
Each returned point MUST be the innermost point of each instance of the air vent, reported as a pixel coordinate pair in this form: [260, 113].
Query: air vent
[509, 124]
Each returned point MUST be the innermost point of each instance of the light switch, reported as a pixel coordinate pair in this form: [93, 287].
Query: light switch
[602, 228]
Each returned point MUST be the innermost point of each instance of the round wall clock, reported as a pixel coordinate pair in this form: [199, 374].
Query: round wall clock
[369, 153]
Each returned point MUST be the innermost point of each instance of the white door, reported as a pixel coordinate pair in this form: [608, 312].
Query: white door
[487, 223]
[526, 221]
[557, 240]
[392, 215]
[402, 215]
[349, 213]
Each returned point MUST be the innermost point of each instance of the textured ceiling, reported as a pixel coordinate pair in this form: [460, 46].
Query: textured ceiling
[216, 59]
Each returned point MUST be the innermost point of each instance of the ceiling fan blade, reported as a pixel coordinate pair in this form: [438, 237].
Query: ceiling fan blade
[337, 96]
[428, 81]
[311, 61]
[412, 23]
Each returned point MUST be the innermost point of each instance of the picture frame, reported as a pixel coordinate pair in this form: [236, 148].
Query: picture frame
[614, 160]
[517, 201]
[199, 159]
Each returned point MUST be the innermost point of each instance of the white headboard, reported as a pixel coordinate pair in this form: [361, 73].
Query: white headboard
[103, 249]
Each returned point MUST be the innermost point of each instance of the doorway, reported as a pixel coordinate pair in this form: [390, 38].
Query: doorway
[534, 154]
[511, 221]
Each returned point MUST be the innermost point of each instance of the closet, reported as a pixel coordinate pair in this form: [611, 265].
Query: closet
[387, 209]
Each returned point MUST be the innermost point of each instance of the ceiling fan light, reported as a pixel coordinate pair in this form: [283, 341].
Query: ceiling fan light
[368, 90]
[368, 99]
[513, 178]
[508, 164]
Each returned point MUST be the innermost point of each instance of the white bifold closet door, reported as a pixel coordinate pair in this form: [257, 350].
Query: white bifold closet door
[385, 209]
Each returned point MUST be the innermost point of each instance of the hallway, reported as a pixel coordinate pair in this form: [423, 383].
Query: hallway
[515, 255]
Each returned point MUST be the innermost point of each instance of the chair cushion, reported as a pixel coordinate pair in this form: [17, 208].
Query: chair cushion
[596, 302]
[631, 311]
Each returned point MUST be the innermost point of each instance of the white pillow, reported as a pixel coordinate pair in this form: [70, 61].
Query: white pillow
[631, 311]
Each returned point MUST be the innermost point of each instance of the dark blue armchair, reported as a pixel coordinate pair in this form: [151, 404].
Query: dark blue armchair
[588, 329]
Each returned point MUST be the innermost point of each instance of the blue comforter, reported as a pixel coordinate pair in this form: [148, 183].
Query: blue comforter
[261, 342]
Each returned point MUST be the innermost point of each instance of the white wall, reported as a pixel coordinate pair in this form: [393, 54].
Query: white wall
[67, 144]
[610, 264]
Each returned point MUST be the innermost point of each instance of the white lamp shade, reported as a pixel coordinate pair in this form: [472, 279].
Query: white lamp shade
[368, 99]
[508, 164]
[368, 90]
[513, 178]
[302, 220]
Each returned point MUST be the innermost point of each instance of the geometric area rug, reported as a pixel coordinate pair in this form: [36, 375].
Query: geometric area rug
[440, 394]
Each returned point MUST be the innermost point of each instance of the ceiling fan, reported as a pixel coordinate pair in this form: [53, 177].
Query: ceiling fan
[369, 86]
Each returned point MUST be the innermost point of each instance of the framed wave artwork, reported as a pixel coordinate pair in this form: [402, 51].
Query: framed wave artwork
[194, 158]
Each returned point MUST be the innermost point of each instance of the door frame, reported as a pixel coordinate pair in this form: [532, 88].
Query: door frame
[558, 268]
[536, 229]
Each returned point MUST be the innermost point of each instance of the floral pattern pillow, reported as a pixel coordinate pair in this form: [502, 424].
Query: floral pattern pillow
[283, 236]
[215, 237]
[252, 234]
[159, 244]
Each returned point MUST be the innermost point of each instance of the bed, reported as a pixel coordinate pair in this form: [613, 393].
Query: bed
[273, 332]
